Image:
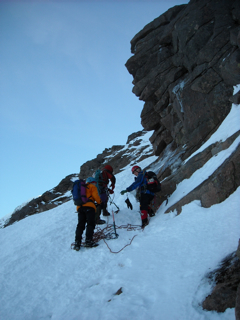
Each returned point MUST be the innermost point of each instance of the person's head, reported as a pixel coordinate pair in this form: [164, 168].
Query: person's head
[136, 170]
[91, 180]
[109, 168]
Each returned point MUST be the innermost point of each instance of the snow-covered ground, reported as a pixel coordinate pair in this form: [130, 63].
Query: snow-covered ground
[160, 270]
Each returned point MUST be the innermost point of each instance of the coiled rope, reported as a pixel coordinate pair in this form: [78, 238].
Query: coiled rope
[108, 234]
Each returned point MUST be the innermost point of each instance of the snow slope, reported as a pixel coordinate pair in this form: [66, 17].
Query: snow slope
[160, 270]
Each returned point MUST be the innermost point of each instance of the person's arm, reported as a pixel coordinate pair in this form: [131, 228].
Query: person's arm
[95, 194]
[137, 183]
[113, 181]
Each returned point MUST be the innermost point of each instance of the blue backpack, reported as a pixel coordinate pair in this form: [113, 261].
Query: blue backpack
[79, 192]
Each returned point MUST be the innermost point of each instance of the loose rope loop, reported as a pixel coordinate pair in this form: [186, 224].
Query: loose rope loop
[122, 248]
[108, 233]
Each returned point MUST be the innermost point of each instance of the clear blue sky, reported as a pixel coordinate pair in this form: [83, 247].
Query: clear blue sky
[65, 93]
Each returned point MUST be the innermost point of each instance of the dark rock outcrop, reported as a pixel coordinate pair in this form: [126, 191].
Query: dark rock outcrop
[226, 280]
[237, 306]
[48, 200]
[223, 182]
[117, 156]
[184, 66]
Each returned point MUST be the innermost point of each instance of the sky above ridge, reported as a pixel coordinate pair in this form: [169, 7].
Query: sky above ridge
[65, 93]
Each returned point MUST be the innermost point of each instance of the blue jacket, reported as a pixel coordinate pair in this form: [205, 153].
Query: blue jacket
[138, 183]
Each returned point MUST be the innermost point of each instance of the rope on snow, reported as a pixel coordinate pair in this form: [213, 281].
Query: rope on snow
[108, 233]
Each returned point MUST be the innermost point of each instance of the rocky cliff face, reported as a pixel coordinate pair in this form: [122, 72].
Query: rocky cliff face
[184, 66]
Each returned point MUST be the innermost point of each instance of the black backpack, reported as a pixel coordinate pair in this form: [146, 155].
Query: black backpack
[153, 184]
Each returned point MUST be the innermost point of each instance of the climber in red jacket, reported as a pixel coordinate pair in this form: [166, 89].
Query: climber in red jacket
[106, 176]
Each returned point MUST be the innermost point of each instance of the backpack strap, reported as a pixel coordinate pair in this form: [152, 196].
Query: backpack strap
[142, 184]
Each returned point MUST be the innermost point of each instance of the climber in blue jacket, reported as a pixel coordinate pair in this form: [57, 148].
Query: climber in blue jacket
[146, 195]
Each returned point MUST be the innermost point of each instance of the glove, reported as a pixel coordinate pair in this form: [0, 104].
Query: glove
[123, 191]
[110, 191]
[129, 205]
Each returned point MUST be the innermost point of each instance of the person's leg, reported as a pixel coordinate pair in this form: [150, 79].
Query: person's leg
[151, 213]
[90, 214]
[98, 220]
[144, 203]
[104, 198]
[144, 217]
[80, 228]
[105, 212]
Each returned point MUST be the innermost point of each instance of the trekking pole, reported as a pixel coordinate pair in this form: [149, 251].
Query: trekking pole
[116, 235]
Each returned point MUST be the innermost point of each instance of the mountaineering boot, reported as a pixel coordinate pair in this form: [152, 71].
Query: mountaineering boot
[144, 223]
[77, 246]
[151, 212]
[97, 216]
[90, 244]
[99, 221]
[105, 212]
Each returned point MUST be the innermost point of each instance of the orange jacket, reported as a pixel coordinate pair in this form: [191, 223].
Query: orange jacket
[92, 194]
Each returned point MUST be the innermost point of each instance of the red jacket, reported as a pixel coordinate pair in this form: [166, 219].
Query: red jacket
[106, 177]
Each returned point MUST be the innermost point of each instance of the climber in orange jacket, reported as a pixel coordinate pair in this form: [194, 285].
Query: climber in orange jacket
[86, 214]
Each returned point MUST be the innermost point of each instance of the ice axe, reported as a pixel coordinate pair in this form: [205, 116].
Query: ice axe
[116, 235]
[111, 202]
